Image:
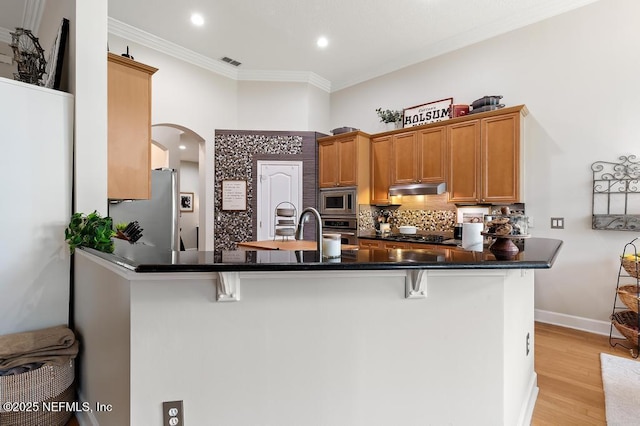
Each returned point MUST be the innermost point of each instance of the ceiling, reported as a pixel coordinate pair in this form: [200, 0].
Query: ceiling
[275, 40]
[367, 38]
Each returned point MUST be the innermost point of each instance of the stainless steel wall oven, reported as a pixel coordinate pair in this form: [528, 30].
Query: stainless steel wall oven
[347, 227]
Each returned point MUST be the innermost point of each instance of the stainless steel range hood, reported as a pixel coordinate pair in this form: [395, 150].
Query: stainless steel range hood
[418, 189]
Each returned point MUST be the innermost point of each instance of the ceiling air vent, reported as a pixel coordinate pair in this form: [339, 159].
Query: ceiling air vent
[231, 61]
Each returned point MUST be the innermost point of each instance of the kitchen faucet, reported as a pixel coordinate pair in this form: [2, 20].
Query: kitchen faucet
[300, 230]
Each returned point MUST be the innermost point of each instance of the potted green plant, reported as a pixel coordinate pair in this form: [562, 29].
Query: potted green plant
[391, 118]
[90, 230]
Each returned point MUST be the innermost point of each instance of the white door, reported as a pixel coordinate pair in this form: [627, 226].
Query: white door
[278, 181]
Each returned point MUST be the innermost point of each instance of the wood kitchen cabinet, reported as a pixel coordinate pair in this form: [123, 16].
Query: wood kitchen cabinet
[343, 160]
[500, 159]
[382, 244]
[419, 156]
[432, 154]
[380, 170]
[395, 245]
[464, 161]
[129, 128]
[369, 244]
[484, 159]
[403, 157]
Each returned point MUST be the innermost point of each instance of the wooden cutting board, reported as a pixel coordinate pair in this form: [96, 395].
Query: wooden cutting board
[286, 245]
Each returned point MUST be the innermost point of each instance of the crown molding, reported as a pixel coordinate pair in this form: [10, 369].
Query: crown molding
[33, 10]
[146, 39]
[151, 41]
[31, 18]
[285, 76]
[5, 37]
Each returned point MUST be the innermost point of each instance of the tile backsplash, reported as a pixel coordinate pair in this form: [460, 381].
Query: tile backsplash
[431, 213]
[423, 219]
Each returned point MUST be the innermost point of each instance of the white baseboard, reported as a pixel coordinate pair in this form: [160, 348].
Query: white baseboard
[85, 418]
[577, 323]
[526, 415]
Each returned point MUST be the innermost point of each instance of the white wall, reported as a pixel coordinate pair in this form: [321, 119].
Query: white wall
[34, 259]
[577, 74]
[169, 139]
[88, 78]
[319, 102]
[189, 220]
[282, 106]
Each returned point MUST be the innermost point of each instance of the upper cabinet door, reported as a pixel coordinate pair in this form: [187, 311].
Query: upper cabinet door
[343, 160]
[404, 158]
[432, 149]
[328, 164]
[484, 164]
[347, 162]
[500, 158]
[129, 128]
[380, 169]
[464, 161]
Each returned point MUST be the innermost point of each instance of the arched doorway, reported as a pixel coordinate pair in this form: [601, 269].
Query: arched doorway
[180, 148]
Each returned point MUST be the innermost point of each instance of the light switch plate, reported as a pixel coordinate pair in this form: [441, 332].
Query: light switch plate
[557, 223]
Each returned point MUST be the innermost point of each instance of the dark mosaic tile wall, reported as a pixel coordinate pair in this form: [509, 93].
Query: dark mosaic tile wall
[234, 160]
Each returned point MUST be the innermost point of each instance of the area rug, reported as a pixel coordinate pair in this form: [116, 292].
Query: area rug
[621, 381]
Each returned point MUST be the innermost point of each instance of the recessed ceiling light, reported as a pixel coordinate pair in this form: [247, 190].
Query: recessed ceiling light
[322, 42]
[182, 147]
[197, 19]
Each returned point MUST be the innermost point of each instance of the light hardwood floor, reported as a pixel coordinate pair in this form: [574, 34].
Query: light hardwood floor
[568, 365]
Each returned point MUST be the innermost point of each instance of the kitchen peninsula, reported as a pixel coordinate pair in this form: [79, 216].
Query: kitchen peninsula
[377, 337]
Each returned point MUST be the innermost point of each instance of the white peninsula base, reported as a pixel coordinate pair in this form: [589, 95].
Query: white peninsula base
[307, 347]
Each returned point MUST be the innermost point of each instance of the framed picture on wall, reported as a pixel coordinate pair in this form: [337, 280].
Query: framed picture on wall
[186, 201]
[234, 195]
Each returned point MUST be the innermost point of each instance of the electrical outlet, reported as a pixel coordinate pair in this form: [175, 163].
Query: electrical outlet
[172, 414]
[528, 343]
[557, 223]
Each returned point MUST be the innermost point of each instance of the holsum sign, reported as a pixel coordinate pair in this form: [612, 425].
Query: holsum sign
[427, 113]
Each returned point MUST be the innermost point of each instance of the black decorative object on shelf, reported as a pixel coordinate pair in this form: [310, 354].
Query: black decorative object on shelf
[616, 195]
[126, 55]
[55, 64]
[29, 56]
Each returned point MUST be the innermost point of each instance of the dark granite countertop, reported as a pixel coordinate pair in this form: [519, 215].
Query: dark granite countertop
[536, 253]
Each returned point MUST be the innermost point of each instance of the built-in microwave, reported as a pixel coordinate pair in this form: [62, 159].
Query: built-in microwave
[338, 201]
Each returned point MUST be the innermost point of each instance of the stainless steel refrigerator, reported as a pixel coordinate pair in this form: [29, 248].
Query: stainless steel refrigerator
[159, 216]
